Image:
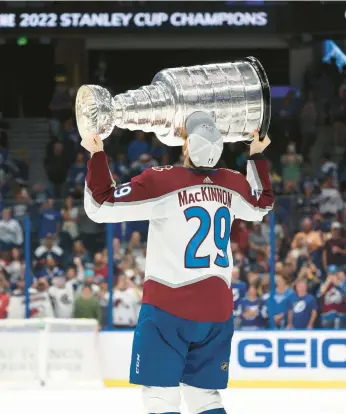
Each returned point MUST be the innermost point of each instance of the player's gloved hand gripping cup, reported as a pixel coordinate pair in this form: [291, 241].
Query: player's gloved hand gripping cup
[235, 94]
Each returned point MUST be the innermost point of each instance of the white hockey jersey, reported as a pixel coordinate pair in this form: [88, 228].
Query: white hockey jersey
[189, 258]
[63, 300]
[40, 305]
[125, 307]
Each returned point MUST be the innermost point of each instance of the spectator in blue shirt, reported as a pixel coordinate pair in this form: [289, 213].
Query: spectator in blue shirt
[80, 252]
[280, 303]
[123, 231]
[141, 228]
[302, 307]
[120, 168]
[50, 219]
[39, 195]
[341, 277]
[158, 150]
[144, 162]
[70, 132]
[241, 159]
[251, 310]
[61, 108]
[137, 147]
[239, 289]
[49, 269]
[77, 171]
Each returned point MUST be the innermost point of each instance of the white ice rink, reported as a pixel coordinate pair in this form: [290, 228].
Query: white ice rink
[128, 401]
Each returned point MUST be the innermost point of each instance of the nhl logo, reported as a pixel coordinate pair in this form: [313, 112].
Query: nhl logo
[224, 366]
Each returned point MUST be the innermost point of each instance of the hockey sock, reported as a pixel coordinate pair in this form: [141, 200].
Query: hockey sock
[215, 411]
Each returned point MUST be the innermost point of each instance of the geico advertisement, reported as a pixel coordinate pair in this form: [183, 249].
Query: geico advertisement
[262, 355]
[289, 355]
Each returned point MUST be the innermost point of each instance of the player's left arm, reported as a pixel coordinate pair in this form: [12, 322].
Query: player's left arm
[258, 177]
[258, 172]
[257, 197]
[105, 202]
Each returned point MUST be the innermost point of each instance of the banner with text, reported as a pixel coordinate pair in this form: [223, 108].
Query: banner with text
[177, 17]
[257, 357]
[99, 21]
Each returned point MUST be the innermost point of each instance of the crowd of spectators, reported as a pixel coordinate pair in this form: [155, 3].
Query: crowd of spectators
[14, 169]
[69, 269]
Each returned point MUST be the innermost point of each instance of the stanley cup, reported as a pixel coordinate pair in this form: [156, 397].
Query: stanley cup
[236, 94]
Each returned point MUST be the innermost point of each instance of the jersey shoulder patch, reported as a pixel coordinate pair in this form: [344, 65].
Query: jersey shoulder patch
[162, 168]
[159, 173]
[154, 180]
[167, 179]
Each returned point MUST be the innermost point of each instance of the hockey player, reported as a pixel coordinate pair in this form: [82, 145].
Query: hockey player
[185, 327]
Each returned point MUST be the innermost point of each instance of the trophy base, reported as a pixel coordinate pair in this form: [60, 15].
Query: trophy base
[255, 63]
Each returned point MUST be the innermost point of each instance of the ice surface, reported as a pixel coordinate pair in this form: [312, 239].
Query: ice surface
[128, 401]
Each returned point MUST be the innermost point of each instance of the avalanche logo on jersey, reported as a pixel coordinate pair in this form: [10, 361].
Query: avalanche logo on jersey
[165, 168]
[333, 296]
[65, 299]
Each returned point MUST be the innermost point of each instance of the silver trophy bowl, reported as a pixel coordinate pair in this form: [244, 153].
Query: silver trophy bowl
[94, 111]
[236, 94]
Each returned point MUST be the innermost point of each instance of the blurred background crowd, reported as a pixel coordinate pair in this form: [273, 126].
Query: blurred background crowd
[69, 272]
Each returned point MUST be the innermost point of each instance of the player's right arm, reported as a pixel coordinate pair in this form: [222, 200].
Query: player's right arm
[105, 202]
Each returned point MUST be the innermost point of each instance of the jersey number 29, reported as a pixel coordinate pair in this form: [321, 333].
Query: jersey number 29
[221, 241]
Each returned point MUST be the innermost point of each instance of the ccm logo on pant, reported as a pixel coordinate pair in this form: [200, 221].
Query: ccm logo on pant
[137, 363]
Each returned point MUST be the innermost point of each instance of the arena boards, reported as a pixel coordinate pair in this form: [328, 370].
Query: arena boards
[314, 359]
[260, 359]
